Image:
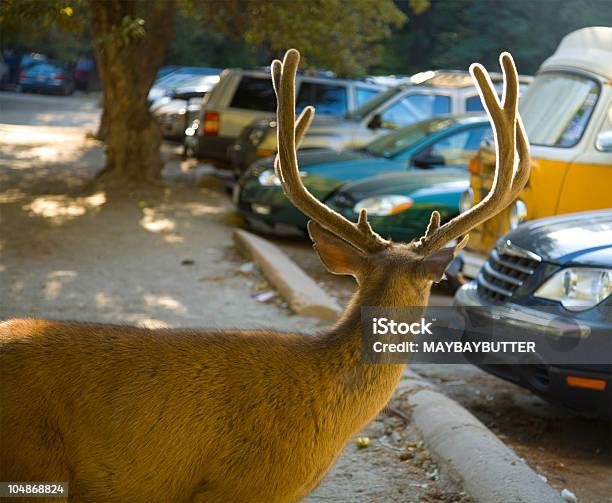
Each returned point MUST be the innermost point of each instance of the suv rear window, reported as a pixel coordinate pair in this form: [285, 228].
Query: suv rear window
[474, 104]
[328, 99]
[254, 93]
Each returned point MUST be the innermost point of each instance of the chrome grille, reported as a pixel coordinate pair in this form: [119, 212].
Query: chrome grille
[507, 268]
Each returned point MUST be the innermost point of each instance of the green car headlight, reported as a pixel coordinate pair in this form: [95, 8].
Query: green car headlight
[268, 178]
[577, 288]
[380, 206]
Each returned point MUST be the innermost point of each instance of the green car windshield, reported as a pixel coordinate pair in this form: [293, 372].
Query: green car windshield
[395, 143]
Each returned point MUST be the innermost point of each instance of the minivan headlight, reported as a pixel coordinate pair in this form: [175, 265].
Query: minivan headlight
[518, 214]
[380, 206]
[577, 288]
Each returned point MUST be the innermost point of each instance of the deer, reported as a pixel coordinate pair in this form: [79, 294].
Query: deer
[177, 415]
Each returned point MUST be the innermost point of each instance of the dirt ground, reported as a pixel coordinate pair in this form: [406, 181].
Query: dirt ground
[569, 451]
[159, 257]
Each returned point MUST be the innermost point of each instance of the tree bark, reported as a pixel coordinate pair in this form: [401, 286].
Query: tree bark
[128, 61]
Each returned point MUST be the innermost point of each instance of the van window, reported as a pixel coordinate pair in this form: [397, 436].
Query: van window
[414, 108]
[557, 108]
[328, 99]
[604, 138]
[254, 93]
[363, 94]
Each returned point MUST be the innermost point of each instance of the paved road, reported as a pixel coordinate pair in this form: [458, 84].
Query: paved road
[42, 110]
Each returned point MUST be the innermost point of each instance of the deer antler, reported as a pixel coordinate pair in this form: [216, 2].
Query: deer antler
[509, 134]
[290, 133]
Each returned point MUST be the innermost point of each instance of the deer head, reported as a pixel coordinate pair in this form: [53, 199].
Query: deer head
[407, 270]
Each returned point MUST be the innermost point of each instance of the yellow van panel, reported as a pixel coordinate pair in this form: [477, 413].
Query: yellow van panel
[541, 195]
[586, 187]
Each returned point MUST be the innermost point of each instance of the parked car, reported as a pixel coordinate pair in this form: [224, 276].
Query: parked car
[31, 58]
[243, 96]
[429, 94]
[435, 144]
[567, 113]
[543, 280]
[47, 77]
[177, 110]
[399, 204]
[166, 84]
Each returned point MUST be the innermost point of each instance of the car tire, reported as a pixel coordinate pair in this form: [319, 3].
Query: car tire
[190, 152]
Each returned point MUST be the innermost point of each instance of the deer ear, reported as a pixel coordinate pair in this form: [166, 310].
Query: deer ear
[338, 256]
[434, 265]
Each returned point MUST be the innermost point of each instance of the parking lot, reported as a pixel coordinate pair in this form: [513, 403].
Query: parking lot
[569, 451]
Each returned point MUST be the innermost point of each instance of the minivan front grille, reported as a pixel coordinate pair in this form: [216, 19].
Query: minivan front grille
[507, 268]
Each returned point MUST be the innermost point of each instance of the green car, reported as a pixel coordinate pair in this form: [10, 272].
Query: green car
[399, 204]
[435, 146]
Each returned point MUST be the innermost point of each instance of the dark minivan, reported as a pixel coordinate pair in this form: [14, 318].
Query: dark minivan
[549, 281]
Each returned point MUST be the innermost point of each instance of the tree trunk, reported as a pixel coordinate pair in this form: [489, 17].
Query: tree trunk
[128, 61]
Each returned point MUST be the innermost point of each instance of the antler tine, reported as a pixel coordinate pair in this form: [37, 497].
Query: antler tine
[508, 182]
[290, 133]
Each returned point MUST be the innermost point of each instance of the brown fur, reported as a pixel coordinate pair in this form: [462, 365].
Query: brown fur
[129, 414]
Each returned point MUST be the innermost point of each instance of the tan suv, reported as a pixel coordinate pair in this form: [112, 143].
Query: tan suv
[242, 96]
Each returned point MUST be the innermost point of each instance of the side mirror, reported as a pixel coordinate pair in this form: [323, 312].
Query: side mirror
[426, 160]
[604, 141]
[375, 122]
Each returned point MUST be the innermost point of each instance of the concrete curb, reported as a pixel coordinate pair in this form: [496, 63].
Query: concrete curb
[300, 291]
[487, 468]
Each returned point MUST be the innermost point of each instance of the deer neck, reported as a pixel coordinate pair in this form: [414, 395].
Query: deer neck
[359, 381]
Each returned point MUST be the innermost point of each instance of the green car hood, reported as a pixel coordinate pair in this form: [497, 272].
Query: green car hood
[414, 183]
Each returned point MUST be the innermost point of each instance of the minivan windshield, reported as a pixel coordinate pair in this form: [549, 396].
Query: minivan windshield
[371, 105]
[395, 143]
[557, 108]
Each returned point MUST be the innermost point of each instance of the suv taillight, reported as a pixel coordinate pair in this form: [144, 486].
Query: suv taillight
[211, 124]
[474, 165]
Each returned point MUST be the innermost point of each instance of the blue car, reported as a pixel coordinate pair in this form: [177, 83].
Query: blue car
[435, 144]
[48, 77]
[549, 282]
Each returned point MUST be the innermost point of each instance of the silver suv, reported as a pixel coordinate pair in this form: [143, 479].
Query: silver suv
[242, 96]
[428, 94]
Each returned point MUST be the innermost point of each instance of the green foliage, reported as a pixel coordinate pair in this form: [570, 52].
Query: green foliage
[332, 34]
[196, 44]
[339, 35]
[129, 30]
[57, 27]
[453, 34]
